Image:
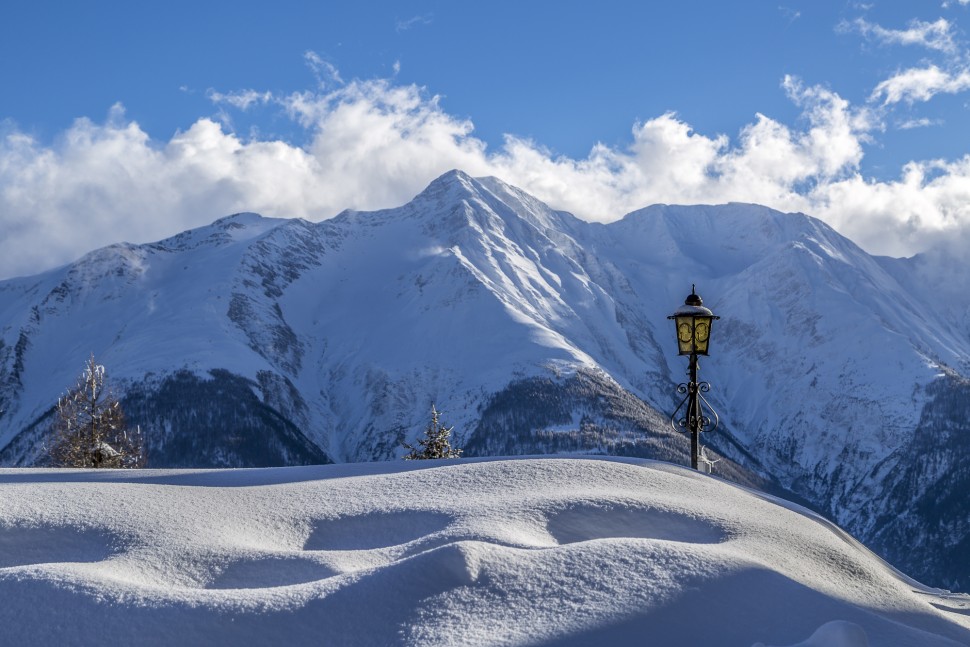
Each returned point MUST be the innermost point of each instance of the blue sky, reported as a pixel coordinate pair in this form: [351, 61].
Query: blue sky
[137, 120]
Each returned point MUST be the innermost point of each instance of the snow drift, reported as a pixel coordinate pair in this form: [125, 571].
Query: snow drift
[543, 551]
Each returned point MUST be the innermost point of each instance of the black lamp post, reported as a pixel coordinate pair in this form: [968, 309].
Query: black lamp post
[693, 323]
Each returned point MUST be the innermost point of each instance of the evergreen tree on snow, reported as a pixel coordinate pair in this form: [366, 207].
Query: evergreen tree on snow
[436, 442]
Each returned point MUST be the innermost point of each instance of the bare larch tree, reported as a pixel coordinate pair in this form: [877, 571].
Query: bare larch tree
[89, 428]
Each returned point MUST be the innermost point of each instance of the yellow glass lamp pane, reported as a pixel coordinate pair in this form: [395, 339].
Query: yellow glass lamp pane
[685, 335]
[702, 331]
[702, 334]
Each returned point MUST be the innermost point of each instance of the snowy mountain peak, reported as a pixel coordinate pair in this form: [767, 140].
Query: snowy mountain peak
[459, 200]
[453, 180]
[238, 227]
[732, 235]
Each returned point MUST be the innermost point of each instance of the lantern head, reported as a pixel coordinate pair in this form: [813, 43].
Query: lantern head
[693, 323]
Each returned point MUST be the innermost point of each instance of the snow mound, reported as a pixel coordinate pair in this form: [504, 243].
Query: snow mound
[533, 551]
[836, 634]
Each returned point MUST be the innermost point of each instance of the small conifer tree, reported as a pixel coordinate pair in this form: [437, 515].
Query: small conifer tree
[436, 443]
[89, 429]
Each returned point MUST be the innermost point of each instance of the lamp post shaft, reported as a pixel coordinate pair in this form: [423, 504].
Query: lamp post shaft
[694, 418]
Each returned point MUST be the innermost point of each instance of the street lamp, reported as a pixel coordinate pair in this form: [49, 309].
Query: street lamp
[693, 322]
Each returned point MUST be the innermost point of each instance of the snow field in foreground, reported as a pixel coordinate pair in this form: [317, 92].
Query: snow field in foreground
[541, 551]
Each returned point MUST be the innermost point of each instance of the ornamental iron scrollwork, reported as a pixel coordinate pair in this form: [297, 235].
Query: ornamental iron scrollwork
[707, 423]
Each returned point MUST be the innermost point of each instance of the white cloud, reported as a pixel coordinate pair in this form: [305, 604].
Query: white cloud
[922, 122]
[790, 15]
[374, 144]
[936, 35]
[326, 73]
[241, 100]
[928, 205]
[921, 84]
[409, 23]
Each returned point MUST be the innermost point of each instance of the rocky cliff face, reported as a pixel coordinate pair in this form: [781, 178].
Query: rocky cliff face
[254, 341]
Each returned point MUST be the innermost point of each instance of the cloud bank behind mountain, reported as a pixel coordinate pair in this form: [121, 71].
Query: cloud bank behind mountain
[371, 144]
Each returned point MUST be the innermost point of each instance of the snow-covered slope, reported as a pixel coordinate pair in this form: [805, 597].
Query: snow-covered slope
[257, 342]
[512, 552]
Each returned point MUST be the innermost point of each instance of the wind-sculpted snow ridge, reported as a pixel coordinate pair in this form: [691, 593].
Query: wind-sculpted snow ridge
[538, 551]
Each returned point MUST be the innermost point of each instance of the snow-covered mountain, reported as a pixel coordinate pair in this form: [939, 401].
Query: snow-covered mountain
[254, 341]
